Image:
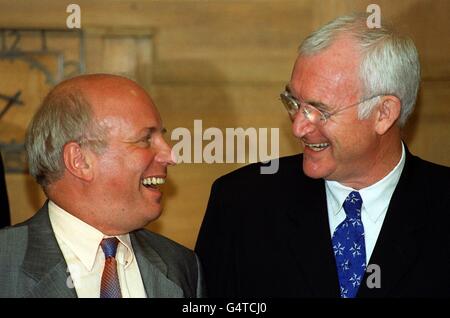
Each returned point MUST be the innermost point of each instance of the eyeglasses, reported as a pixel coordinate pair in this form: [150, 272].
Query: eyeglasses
[311, 113]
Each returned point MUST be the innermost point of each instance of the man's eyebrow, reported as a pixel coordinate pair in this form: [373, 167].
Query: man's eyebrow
[152, 130]
[317, 104]
[146, 133]
[311, 102]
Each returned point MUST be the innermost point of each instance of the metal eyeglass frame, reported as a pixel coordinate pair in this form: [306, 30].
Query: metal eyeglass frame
[311, 113]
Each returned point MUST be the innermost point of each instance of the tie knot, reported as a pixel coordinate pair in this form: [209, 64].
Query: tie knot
[352, 205]
[109, 246]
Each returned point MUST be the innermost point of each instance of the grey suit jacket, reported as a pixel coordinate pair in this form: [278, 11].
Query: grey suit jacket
[32, 264]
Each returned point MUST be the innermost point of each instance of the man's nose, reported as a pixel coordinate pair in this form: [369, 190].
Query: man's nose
[165, 155]
[301, 126]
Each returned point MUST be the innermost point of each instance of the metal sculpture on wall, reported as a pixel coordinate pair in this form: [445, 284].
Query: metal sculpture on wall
[31, 46]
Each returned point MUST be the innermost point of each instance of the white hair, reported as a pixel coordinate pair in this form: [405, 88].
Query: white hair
[63, 117]
[389, 64]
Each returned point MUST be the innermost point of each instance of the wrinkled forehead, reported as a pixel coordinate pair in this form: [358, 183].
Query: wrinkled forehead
[113, 98]
[126, 107]
[332, 71]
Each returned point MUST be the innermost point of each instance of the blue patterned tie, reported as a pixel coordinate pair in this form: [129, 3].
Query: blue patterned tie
[350, 248]
[110, 287]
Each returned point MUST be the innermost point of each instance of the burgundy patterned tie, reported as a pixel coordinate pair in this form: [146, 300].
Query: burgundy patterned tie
[110, 287]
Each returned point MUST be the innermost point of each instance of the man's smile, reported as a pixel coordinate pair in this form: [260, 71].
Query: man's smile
[316, 147]
[153, 182]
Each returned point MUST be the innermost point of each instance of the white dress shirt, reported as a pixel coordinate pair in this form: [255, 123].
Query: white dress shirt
[80, 245]
[375, 204]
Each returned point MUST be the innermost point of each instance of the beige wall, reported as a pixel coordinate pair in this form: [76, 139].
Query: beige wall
[225, 62]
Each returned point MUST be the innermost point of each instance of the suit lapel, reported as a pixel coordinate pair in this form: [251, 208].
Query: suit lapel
[395, 250]
[56, 284]
[44, 262]
[309, 237]
[48, 271]
[153, 270]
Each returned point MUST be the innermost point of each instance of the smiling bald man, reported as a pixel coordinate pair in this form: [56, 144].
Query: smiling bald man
[96, 147]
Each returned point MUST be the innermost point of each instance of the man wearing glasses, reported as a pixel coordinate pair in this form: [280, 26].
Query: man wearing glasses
[355, 215]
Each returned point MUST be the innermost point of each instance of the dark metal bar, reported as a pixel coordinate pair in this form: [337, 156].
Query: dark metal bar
[10, 103]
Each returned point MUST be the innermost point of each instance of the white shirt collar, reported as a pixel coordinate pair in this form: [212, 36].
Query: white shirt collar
[374, 196]
[83, 239]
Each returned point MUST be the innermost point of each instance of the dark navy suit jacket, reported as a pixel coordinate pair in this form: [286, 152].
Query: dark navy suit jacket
[268, 235]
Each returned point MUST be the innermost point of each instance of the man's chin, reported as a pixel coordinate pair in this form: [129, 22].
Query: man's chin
[154, 213]
[314, 170]
[313, 175]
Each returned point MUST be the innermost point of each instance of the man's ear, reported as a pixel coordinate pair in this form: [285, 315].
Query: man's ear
[387, 113]
[78, 161]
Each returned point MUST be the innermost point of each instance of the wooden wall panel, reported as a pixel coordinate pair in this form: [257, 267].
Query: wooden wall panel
[225, 62]
[18, 75]
[428, 130]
